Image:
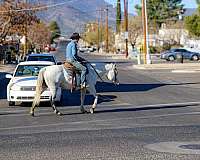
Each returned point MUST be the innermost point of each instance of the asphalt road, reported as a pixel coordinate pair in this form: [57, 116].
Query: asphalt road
[151, 115]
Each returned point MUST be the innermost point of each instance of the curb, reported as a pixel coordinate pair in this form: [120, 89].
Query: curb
[178, 66]
[185, 71]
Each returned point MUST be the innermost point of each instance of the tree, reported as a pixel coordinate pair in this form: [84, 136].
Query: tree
[15, 16]
[118, 17]
[160, 11]
[198, 3]
[192, 23]
[94, 34]
[135, 29]
[91, 33]
[55, 30]
[39, 35]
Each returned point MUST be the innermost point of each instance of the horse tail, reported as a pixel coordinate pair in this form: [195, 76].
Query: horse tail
[39, 87]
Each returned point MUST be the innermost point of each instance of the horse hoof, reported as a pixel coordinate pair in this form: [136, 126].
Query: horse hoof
[83, 111]
[55, 111]
[91, 110]
[59, 114]
[32, 114]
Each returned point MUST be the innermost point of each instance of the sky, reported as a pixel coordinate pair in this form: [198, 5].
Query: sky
[132, 3]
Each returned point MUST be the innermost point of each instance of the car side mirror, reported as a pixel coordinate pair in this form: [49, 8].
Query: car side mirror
[9, 76]
[59, 63]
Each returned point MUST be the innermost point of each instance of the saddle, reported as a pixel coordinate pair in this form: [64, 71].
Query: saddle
[69, 66]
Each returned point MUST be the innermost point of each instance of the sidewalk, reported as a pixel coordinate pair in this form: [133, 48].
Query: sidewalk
[169, 66]
[109, 55]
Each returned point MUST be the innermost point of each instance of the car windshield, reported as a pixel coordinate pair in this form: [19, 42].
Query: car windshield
[41, 58]
[28, 70]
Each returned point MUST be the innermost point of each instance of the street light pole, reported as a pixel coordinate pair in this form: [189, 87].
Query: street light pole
[147, 59]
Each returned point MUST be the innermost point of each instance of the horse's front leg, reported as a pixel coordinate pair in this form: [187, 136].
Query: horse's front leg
[94, 104]
[92, 91]
[83, 93]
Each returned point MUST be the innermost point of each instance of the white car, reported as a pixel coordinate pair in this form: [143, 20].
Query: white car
[42, 57]
[22, 85]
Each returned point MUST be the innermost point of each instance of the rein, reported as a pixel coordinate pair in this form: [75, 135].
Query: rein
[95, 71]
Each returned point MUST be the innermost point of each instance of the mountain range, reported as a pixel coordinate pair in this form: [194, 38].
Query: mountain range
[72, 15]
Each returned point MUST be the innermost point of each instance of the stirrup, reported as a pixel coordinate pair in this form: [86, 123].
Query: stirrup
[83, 85]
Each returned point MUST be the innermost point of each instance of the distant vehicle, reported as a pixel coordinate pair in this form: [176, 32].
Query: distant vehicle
[42, 57]
[133, 54]
[171, 54]
[22, 85]
[83, 49]
[87, 49]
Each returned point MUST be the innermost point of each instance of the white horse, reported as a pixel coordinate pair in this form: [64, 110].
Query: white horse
[56, 75]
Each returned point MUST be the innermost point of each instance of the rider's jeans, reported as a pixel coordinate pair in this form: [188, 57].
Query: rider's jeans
[81, 68]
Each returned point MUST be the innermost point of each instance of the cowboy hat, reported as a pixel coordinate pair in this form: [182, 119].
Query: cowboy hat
[75, 36]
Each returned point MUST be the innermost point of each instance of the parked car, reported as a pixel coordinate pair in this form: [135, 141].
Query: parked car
[22, 85]
[42, 57]
[171, 54]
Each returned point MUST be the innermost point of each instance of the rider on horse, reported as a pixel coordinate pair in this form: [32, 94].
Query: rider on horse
[73, 58]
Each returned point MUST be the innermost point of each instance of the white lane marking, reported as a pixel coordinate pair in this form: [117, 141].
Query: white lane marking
[185, 71]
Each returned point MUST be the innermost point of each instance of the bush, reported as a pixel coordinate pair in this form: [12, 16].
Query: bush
[153, 49]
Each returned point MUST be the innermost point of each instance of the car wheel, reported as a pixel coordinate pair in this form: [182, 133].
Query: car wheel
[195, 58]
[11, 103]
[171, 58]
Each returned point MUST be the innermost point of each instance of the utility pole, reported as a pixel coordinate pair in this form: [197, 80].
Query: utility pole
[25, 37]
[107, 49]
[98, 12]
[118, 17]
[101, 27]
[126, 26]
[147, 59]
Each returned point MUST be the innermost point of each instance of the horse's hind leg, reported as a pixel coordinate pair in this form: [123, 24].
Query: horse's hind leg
[56, 111]
[32, 110]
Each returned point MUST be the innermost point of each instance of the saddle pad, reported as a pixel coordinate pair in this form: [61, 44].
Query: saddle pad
[69, 66]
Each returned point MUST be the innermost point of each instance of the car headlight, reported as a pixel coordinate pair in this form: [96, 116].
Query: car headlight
[16, 88]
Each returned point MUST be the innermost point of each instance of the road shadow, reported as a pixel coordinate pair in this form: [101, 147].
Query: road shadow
[73, 99]
[109, 87]
[3, 85]
[144, 108]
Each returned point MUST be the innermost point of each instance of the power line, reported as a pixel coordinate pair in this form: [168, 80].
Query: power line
[37, 8]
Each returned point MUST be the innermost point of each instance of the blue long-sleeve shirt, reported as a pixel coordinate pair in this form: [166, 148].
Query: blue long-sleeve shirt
[71, 51]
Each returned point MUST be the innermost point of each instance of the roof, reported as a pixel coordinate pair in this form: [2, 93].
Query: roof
[36, 63]
[40, 54]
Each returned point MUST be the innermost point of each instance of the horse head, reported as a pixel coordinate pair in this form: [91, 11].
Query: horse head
[112, 73]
